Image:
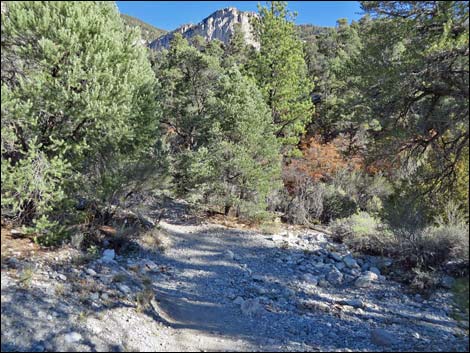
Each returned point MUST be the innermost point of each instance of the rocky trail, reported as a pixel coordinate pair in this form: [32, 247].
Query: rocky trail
[221, 289]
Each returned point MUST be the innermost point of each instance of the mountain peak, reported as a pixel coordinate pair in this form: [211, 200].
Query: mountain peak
[219, 25]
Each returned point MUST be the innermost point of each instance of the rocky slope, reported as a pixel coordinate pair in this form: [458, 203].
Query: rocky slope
[148, 32]
[220, 289]
[219, 25]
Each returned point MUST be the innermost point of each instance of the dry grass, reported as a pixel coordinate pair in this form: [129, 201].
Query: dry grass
[83, 315]
[84, 287]
[20, 248]
[143, 299]
[26, 276]
[155, 240]
[270, 228]
[82, 259]
[60, 289]
[230, 222]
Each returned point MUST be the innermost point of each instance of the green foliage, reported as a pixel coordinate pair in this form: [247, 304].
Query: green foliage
[245, 153]
[367, 191]
[77, 105]
[48, 233]
[34, 184]
[363, 232]
[329, 53]
[281, 72]
[414, 81]
[461, 296]
[81, 111]
[222, 143]
[337, 204]
[396, 83]
[420, 248]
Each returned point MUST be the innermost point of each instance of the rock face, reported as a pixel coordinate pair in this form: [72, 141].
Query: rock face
[220, 25]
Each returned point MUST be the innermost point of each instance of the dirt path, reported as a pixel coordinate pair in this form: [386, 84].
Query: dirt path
[222, 289]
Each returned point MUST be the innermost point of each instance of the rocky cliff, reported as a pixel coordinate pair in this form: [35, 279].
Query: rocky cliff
[219, 25]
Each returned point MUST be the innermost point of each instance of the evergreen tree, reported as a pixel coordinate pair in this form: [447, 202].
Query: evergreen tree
[242, 154]
[281, 72]
[223, 148]
[335, 115]
[188, 79]
[78, 104]
[413, 83]
[236, 51]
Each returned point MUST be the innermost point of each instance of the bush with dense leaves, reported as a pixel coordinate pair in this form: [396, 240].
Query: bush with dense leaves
[78, 106]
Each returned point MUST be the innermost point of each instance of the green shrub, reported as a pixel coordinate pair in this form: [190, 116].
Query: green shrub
[337, 204]
[34, 184]
[404, 209]
[424, 249]
[363, 232]
[78, 109]
[439, 244]
[348, 192]
[270, 228]
[367, 191]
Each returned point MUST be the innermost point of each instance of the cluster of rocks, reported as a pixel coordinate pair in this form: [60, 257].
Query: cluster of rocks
[321, 269]
[327, 278]
[336, 267]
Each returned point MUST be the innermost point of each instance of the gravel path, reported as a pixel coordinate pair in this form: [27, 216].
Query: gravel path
[222, 289]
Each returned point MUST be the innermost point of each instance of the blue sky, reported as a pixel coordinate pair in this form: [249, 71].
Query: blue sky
[169, 15]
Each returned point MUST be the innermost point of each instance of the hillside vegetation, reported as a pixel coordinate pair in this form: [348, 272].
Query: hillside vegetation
[149, 33]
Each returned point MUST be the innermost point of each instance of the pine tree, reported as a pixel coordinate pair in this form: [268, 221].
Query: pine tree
[188, 78]
[243, 152]
[412, 82]
[78, 104]
[281, 72]
[236, 51]
[222, 142]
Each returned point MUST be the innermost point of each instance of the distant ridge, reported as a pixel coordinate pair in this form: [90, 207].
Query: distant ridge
[219, 25]
[149, 32]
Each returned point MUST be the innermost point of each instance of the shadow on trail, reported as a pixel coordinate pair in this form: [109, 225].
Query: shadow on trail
[197, 294]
